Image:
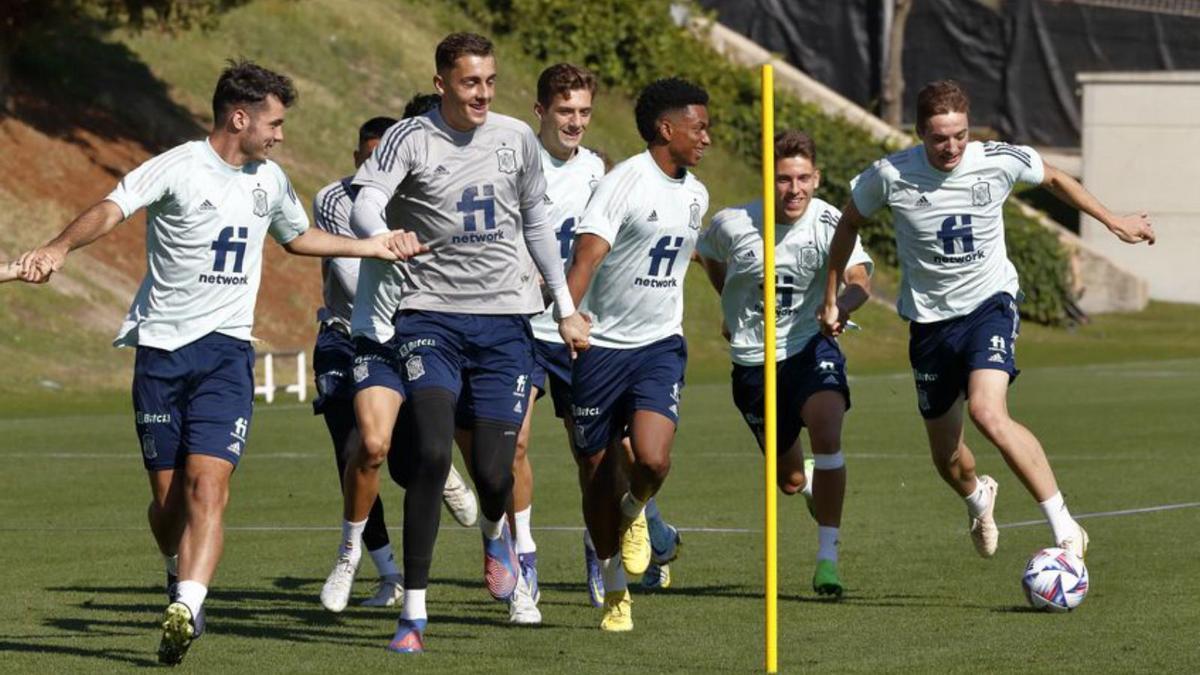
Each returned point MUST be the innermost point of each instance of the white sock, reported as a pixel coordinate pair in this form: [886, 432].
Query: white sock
[827, 543]
[587, 540]
[524, 536]
[491, 528]
[807, 491]
[631, 506]
[351, 546]
[172, 564]
[192, 594]
[978, 500]
[414, 604]
[613, 573]
[1061, 522]
[385, 561]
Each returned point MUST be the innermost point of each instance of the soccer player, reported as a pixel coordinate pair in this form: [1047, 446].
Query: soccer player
[469, 182]
[333, 362]
[564, 106]
[209, 205]
[813, 391]
[960, 292]
[631, 255]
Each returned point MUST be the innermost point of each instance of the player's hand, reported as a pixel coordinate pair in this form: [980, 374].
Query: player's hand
[401, 245]
[725, 331]
[1133, 229]
[831, 319]
[575, 331]
[38, 265]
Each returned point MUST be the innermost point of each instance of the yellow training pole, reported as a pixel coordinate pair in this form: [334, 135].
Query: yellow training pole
[768, 177]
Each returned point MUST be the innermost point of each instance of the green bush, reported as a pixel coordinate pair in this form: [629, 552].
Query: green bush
[630, 43]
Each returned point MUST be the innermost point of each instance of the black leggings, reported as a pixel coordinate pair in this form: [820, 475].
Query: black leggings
[421, 461]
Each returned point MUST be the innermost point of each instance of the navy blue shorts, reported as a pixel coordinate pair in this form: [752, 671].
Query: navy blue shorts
[944, 353]
[333, 363]
[552, 372]
[820, 366]
[485, 358]
[608, 385]
[377, 365]
[197, 399]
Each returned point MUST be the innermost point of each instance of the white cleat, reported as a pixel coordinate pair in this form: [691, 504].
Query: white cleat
[984, 533]
[391, 589]
[522, 610]
[459, 499]
[335, 594]
[1077, 544]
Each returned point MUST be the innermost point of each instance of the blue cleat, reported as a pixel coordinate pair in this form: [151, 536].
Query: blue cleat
[501, 569]
[664, 543]
[409, 637]
[528, 562]
[595, 581]
[657, 577]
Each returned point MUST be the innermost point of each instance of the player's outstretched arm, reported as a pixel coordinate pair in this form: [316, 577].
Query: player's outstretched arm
[839, 254]
[37, 265]
[1131, 229]
[397, 245]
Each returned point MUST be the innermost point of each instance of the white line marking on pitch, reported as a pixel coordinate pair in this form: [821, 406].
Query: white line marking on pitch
[576, 528]
[1111, 514]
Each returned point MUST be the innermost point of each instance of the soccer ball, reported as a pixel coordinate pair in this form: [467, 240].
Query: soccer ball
[1055, 580]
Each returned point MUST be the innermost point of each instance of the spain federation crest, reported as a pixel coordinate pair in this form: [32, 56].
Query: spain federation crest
[981, 194]
[260, 202]
[506, 160]
[809, 258]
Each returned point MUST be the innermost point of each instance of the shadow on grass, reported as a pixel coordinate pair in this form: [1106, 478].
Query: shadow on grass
[71, 83]
[118, 655]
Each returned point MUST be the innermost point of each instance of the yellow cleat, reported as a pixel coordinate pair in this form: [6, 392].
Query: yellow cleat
[617, 607]
[635, 545]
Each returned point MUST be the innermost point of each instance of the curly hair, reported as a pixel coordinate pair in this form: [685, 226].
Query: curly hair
[661, 97]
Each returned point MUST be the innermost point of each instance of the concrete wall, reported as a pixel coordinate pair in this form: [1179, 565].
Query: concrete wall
[1141, 152]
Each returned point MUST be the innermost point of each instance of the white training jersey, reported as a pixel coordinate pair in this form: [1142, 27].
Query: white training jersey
[569, 185]
[949, 226]
[801, 263]
[205, 223]
[339, 276]
[651, 221]
[380, 286]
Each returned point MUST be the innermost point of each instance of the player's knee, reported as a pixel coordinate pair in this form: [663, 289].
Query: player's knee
[374, 451]
[207, 492]
[987, 416]
[522, 446]
[494, 448]
[657, 465]
[791, 482]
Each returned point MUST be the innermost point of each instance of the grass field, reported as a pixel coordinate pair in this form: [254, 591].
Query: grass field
[81, 578]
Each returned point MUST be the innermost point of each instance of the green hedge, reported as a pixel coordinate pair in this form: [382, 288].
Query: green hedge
[630, 43]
